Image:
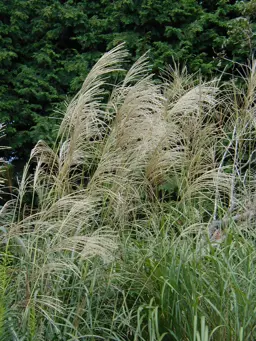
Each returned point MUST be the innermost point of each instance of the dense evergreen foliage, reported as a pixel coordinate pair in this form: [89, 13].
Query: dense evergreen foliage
[47, 48]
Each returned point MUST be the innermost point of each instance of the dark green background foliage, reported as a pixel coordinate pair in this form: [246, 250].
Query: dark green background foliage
[48, 47]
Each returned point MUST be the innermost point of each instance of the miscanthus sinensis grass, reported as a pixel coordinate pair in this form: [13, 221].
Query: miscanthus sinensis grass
[139, 223]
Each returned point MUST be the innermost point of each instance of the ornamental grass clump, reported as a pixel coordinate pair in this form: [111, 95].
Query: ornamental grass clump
[111, 236]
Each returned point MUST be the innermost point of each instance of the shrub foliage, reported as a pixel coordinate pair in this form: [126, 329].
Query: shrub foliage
[47, 49]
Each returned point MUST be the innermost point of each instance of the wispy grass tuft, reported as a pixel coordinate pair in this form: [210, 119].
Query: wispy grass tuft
[140, 223]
